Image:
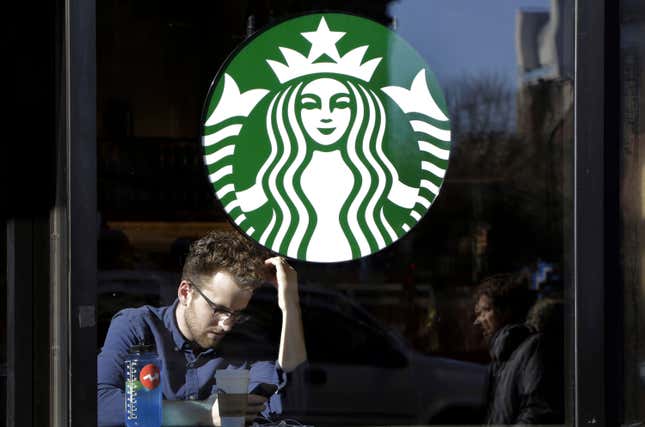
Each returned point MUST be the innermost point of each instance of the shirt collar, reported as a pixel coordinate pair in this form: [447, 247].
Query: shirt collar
[170, 321]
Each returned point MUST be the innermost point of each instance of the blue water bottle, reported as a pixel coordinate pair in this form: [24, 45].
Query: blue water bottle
[142, 387]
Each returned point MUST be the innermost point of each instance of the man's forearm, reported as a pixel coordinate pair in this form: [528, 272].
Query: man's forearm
[186, 412]
[292, 338]
[174, 412]
[110, 406]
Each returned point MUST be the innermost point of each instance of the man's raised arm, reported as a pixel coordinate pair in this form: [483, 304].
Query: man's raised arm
[292, 351]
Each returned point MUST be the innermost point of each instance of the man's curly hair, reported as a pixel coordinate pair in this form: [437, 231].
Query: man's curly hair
[229, 252]
[508, 294]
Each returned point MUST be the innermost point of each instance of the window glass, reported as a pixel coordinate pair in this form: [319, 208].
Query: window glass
[633, 205]
[395, 330]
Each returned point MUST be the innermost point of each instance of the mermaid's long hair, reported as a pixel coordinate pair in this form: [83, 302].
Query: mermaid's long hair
[362, 216]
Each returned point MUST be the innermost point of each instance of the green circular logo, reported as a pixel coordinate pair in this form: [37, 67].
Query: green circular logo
[326, 137]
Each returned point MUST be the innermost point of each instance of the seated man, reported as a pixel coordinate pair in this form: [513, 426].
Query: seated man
[219, 276]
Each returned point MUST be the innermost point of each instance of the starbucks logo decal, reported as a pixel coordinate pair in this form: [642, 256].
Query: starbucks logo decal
[326, 137]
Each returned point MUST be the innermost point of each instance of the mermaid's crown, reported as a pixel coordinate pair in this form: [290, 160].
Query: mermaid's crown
[322, 42]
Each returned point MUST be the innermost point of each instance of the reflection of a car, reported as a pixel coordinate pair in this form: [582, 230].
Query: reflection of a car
[359, 373]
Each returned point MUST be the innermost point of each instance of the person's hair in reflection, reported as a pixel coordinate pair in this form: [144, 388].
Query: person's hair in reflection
[516, 392]
[500, 300]
[547, 317]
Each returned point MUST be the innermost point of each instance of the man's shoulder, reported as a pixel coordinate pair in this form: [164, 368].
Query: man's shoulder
[528, 348]
[507, 342]
[531, 342]
[140, 315]
[139, 324]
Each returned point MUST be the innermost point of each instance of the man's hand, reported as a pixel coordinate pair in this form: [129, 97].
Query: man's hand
[286, 282]
[255, 405]
[214, 406]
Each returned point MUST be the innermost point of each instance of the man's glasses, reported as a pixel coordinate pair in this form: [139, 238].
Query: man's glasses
[221, 312]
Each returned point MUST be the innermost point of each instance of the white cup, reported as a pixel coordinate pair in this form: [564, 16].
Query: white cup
[233, 385]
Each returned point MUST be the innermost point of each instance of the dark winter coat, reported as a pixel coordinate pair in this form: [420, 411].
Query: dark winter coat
[525, 378]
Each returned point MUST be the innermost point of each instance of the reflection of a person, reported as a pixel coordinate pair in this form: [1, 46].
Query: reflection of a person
[517, 392]
[218, 279]
[546, 318]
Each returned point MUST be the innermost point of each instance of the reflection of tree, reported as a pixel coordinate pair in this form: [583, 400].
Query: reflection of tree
[506, 197]
[480, 105]
[509, 182]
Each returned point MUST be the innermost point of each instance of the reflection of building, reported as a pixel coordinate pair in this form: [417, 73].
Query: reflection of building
[544, 42]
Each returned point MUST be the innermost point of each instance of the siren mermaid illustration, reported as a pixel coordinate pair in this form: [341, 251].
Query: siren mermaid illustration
[327, 180]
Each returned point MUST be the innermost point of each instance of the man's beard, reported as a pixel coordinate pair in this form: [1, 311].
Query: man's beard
[203, 338]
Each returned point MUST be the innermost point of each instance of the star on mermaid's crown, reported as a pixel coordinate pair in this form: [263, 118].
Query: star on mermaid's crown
[323, 41]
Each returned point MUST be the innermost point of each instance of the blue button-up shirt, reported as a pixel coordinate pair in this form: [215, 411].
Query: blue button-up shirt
[184, 374]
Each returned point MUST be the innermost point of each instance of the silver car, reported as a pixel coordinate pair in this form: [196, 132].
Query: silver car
[360, 373]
